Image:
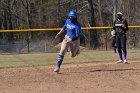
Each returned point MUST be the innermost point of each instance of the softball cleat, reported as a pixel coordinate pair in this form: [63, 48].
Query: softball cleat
[125, 61]
[56, 69]
[120, 61]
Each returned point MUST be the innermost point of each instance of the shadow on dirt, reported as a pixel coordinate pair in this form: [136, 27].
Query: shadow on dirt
[113, 70]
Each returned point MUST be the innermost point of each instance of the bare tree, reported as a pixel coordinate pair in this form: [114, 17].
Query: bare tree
[93, 33]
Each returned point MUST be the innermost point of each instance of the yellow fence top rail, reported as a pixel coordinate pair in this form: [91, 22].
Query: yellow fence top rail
[57, 29]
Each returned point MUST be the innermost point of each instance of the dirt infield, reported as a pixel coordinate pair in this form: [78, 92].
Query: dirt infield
[74, 78]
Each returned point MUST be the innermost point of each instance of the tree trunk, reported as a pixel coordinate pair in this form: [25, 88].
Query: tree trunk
[94, 43]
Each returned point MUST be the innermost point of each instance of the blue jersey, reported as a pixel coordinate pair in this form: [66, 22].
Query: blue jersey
[73, 29]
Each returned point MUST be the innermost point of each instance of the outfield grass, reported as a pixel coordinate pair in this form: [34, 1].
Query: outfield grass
[35, 59]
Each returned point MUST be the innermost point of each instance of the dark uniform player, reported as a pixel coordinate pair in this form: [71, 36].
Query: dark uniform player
[121, 27]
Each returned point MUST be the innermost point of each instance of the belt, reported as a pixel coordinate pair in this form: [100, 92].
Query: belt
[73, 39]
[67, 36]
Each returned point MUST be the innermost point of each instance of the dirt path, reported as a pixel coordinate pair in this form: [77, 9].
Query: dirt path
[74, 78]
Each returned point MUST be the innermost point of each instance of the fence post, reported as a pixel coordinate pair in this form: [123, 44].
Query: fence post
[106, 39]
[45, 46]
[28, 41]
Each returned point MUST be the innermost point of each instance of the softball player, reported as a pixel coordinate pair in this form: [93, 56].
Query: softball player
[121, 27]
[71, 39]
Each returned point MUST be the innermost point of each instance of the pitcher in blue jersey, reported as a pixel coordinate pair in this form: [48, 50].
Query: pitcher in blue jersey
[72, 38]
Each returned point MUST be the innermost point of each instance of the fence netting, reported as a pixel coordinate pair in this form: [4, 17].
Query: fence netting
[44, 41]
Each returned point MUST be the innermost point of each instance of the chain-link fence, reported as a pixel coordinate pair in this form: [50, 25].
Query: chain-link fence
[43, 41]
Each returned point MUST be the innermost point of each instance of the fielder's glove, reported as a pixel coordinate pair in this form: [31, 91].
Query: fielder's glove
[113, 33]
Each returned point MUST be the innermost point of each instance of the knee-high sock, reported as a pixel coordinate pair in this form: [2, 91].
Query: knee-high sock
[125, 55]
[120, 55]
[60, 59]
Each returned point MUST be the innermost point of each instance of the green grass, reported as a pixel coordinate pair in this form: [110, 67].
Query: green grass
[35, 59]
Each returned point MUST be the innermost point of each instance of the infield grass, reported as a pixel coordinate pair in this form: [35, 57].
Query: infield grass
[35, 59]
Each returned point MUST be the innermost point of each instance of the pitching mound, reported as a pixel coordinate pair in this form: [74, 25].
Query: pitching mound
[74, 78]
